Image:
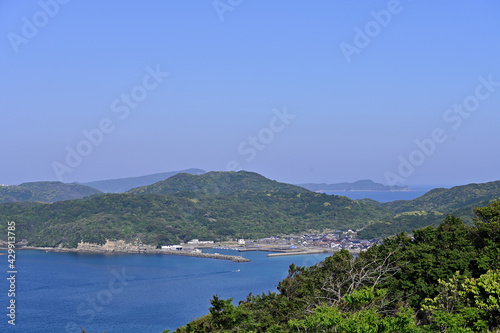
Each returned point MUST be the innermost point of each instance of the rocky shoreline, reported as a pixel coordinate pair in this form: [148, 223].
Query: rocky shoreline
[120, 247]
[295, 253]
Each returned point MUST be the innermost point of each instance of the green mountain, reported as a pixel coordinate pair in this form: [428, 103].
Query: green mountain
[158, 219]
[360, 185]
[441, 199]
[124, 184]
[430, 208]
[214, 206]
[218, 182]
[218, 206]
[443, 279]
[45, 192]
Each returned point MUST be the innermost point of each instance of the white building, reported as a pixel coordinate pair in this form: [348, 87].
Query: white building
[197, 241]
[171, 247]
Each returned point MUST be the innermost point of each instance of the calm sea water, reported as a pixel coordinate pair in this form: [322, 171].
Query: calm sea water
[60, 292]
[415, 191]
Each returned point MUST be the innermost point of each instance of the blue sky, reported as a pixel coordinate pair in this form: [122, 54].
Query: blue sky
[299, 91]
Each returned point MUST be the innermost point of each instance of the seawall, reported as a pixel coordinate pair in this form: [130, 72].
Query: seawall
[120, 247]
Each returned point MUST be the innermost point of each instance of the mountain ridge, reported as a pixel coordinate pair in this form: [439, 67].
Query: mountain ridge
[156, 219]
[452, 198]
[221, 205]
[217, 205]
[45, 191]
[429, 208]
[217, 182]
[121, 185]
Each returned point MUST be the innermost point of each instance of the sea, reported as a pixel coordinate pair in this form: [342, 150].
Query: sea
[387, 196]
[136, 293]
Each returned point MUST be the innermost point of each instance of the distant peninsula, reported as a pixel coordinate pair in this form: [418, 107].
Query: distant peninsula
[360, 185]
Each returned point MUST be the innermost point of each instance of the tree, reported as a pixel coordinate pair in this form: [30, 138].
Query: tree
[352, 276]
[466, 304]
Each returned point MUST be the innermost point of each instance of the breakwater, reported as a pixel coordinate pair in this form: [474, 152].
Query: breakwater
[295, 253]
[205, 255]
[120, 247]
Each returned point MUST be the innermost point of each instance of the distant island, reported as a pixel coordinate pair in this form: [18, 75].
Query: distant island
[360, 185]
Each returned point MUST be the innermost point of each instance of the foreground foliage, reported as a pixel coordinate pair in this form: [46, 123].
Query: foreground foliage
[443, 279]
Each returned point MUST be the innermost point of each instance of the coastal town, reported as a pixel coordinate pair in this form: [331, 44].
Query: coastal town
[278, 246]
[285, 245]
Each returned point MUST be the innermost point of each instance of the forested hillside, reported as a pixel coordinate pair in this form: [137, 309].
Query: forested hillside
[158, 219]
[219, 206]
[218, 182]
[430, 208]
[442, 199]
[44, 192]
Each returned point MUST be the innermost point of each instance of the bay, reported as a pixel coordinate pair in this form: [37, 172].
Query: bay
[61, 292]
[387, 196]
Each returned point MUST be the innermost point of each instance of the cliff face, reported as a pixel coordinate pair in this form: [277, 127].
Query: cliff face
[115, 246]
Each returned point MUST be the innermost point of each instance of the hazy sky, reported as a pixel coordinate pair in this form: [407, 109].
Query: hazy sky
[299, 91]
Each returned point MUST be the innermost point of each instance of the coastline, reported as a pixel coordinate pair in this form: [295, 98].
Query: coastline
[323, 191]
[138, 251]
[121, 247]
[296, 253]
